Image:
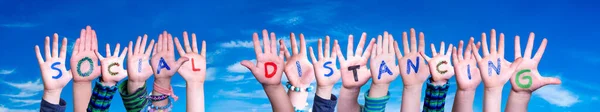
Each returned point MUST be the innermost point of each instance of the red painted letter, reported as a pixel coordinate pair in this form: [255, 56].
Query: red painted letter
[194, 66]
[267, 74]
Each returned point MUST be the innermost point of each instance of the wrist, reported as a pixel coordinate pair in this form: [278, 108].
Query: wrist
[378, 90]
[108, 83]
[163, 82]
[439, 82]
[416, 87]
[194, 84]
[324, 92]
[520, 95]
[134, 85]
[52, 96]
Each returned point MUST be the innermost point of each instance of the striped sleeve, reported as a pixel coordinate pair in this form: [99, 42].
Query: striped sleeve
[136, 101]
[435, 98]
[101, 97]
[375, 104]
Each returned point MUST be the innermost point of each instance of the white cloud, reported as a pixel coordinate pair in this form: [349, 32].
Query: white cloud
[6, 72]
[238, 44]
[237, 93]
[26, 102]
[5, 109]
[29, 86]
[238, 106]
[231, 78]
[239, 68]
[557, 95]
[210, 74]
[21, 94]
[19, 25]
[181, 85]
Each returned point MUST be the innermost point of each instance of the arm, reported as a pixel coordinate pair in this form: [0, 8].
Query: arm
[164, 66]
[413, 70]
[299, 72]
[383, 72]
[83, 68]
[138, 70]
[354, 73]
[327, 75]
[112, 73]
[467, 76]
[348, 101]
[435, 97]
[268, 71]
[194, 72]
[54, 74]
[528, 78]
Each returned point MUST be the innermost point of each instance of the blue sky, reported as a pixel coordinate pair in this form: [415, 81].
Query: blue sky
[226, 25]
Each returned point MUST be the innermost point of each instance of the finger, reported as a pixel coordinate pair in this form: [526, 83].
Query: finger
[273, 43]
[460, 50]
[350, 46]
[82, 36]
[293, 43]
[38, 55]
[327, 50]
[368, 51]
[421, 42]
[76, 47]
[468, 50]
[63, 48]
[501, 45]
[529, 47]
[154, 50]
[266, 43]
[142, 46]
[99, 55]
[476, 53]
[248, 64]
[454, 56]
[485, 46]
[117, 49]
[286, 52]
[517, 47]
[107, 50]
[334, 54]
[150, 47]
[398, 53]
[302, 45]
[256, 42]
[186, 43]
[427, 58]
[433, 51]
[405, 43]
[374, 53]
[179, 48]
[448, 53]
[338, 52]
[391, 44]
[195, 44]
[319, 49]
[386, 44]
[442, 48]
[312, 55]
[413, 40]
[281, 54]
[203, 53]
[540, 51]
[159, 45]
[378, 46]
[130, 46]
[55, 45]
[181, 60]
[94, 40]
[170, 45]
[361, 44]
[88, 36]
[138, 43]
[123, 54]
[47, 48]
[551, 81]
[493, 49]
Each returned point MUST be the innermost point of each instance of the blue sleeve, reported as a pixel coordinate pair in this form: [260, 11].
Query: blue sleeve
[375, 104]
[46, 106]
[324, 105]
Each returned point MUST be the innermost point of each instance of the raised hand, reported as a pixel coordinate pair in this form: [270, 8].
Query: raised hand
[495, 70]
[194, 70]
[298, 69]
[269, 65]
[439, 66]
[163, 58]
[467, 74]
[325, 68]
[527, 78]
[83, 58]
[138, 62]
[413, 69]
[383, 62]
[354, 70]
[54, 72]
[112, 69]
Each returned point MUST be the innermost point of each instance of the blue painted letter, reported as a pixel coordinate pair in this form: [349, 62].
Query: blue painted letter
[469, 71]
[162, 64]
[54, 68]
[383, 68]
[410, 64]
[327, 67]
[496, 68]
[299, 68]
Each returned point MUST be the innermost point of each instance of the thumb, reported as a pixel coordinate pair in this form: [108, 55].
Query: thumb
[427, 58]
[516, 63]
[99, 55]
[551, 81]
[248, 64]
[181, 61]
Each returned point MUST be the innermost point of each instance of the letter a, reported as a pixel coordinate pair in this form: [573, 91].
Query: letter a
[410, 64]
[383, 68]
[162, 64]
[327, 67]
[267, 74]
[54, 68]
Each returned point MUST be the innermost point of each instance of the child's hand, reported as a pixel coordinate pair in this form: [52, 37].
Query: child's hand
[83, 59]
[354, 70]
[298, 69]
[412, 66]
[269, 65]
[112, 65]
[54, 72]
[467, 74]
[138, 64]
[383, 62]
[163, 58]
[195, 69]
[527, 78]
[439, 66]
[495, 70]
[326, 70]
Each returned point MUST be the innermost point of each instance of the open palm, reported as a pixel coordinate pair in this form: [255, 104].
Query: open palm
[298, 69]
[467, 74]
[495, 70]
[195, 69]
[439, 66]
[383, 62]
[83, 58]
[138, 61]
[355, 59]
[326, 77]
[54, 72]
[527, 78]
[268, 68]
[420, 73]
[112, 65]
[163, 58]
